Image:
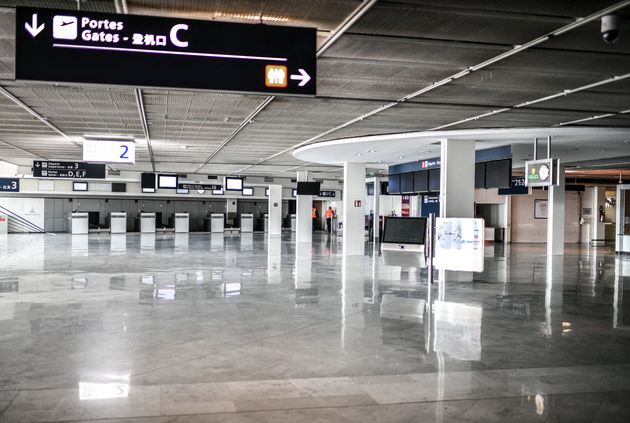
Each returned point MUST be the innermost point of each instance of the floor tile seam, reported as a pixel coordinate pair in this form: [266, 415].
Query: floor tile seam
[228, 349]
[9, 404]
[349, 379]
[313, 408]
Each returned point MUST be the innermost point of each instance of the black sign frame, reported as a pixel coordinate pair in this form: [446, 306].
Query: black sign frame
[9, 185]
[173, 53]
[68, 170]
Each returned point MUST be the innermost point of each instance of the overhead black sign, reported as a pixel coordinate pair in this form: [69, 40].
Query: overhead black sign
[518, 187]
[73, 170]
[9, 185]
[193, 187]
[78, 46]
[327, 194]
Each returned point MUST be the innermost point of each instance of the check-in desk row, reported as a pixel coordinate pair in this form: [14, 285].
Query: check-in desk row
[145, 222]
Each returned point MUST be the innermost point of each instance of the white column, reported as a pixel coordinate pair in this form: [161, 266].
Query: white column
[555, 219]
[304, 220]
[275, 210]
[376, 207]
[457, 179]
[457, 189]
[353, 215]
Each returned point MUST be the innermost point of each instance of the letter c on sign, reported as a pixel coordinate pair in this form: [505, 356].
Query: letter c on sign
[174, 32]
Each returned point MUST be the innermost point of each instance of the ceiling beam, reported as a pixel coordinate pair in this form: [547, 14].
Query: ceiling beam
[334, 36]
[449, 79]
[563, 93]
[602, 116]
[22, 150]
[145, 126]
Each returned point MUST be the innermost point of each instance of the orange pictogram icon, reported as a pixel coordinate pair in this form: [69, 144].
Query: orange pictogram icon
[276, 76]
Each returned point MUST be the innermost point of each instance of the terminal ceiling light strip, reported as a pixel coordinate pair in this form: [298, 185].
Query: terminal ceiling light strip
[37, 116]
[515, 50]
[145, 127]
[334, 36]
[623, 112]
[538, 100]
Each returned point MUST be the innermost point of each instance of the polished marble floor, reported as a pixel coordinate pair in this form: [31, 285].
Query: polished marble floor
[206, 328]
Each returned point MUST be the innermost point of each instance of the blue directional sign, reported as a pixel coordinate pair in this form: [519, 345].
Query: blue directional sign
[9, 185]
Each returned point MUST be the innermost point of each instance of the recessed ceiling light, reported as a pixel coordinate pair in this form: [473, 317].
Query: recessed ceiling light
[379, 161]
[226, 119]
[401, 157]
[358, 154]
[184, 147]
[425, 152]
[371, 151]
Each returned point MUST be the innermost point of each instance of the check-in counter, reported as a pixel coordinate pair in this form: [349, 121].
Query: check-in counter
[266, 222]
[247, 222]
[118, 222]
[4, 224]
[78, 223]
[147, 223]
[181, 223]
[217, 222]
[293, 223]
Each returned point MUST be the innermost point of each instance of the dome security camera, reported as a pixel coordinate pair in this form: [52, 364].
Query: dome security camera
[610, 28]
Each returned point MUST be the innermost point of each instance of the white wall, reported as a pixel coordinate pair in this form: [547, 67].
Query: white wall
[27, 210]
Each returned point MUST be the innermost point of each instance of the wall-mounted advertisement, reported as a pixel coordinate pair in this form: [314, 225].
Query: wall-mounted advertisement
[459, 244]
[541, 209]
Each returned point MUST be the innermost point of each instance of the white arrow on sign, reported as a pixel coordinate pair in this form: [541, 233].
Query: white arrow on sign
[303, 77]
[33, 29]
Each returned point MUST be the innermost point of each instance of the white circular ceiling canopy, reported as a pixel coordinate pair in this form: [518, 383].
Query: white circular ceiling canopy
[568, 143]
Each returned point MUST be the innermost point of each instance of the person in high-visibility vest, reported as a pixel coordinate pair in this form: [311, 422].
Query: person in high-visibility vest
[329, 217]
[314, 216]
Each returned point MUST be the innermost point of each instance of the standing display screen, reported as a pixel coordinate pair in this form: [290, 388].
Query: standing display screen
[102, 48]
[404, 230]
[234, 184]
[167, 181]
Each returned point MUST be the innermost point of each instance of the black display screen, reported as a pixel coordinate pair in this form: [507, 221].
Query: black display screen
[499, 173]
[421, 181]
[434, 180]
[404, 230]
[308, 188]
[147, 181]
[393, 184]
[406, 182]
[101, 48]
[480, 175]
[119, 187]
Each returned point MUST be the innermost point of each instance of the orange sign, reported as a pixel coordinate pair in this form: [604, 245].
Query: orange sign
[276, 76]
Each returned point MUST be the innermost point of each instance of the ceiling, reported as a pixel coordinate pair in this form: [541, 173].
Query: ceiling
[375, 76]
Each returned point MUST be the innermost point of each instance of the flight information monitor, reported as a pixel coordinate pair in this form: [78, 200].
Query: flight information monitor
[404, 230]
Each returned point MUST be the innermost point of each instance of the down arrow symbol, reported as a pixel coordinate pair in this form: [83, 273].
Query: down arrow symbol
[33, 29]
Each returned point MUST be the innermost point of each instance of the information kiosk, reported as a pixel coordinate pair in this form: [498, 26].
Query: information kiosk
[118, 222]
[78, 223]
[403, 241]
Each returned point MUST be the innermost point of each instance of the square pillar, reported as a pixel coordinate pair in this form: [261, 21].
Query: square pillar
[353, 210]
[303, 211]
[376, 207]
[275, 210]
[555, 220]
[598, 229]
[457, 190]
